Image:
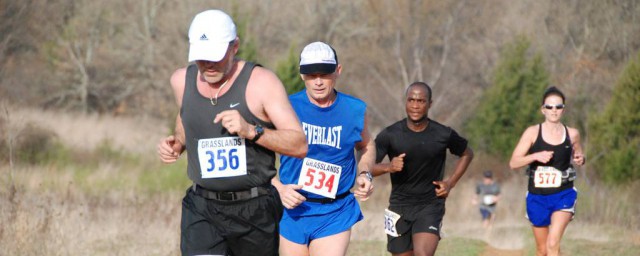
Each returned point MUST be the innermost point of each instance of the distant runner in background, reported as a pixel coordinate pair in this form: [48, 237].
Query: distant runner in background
[417, 148]
[487, 196]
[548, 149]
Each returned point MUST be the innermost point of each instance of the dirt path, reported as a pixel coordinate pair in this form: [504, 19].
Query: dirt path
[492, 251]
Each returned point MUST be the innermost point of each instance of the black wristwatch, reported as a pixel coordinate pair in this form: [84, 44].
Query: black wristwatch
[367, 174]
[259, 131]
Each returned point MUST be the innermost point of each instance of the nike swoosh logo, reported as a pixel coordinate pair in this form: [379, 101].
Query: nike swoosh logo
[233, 105]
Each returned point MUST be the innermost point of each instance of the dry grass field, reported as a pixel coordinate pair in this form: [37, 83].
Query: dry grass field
[100, 191]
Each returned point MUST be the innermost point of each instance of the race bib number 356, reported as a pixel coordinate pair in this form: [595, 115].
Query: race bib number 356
[547, 177]
[222, 157]
[320, 177]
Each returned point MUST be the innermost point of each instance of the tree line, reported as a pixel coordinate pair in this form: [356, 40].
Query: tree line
[485, 61]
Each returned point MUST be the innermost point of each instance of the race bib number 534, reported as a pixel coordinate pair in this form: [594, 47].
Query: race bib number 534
[222, 157]
[320, 177]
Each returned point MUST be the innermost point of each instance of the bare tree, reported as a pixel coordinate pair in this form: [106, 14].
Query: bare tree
[14, 16]
[100, 56]
[10, 134]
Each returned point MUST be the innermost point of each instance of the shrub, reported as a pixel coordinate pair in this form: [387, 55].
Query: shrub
[511, 103]
[615, 133]
[35, 144]
[287, 71]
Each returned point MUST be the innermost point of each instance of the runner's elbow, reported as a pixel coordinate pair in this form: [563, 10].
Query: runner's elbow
[301, 150]
[469, 153]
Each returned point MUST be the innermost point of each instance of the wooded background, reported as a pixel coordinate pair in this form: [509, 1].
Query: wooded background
[85, 97]
[115, 57]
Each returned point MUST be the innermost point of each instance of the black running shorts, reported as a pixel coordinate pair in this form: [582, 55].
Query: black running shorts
[424, 218]
[243, 227]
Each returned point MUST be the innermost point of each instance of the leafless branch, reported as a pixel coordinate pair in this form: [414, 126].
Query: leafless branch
[83, 84]
[449, 30]
[398, 54]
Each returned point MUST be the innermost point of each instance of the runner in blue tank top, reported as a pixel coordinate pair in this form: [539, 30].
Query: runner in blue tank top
[320, 210]
[548, 150]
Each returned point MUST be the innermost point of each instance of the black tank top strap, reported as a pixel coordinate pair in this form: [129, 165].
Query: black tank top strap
[192, 73]
[190, 83]
[245, 73]
[568, 138]
[539, 138]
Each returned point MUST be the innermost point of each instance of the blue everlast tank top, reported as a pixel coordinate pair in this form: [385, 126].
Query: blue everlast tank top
[217, 160]
[332, 134]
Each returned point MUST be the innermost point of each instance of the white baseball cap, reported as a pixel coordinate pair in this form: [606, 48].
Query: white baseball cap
[318, 57]
[210, 35]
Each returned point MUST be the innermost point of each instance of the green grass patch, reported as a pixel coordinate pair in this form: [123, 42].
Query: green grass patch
[454, 246]
[372, 248]
[107, 168]
[106, 151]
[460, 246]
[158, 177]
[591, 248]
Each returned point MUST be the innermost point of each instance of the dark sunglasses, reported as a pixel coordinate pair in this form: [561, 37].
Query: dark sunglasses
[559, 106]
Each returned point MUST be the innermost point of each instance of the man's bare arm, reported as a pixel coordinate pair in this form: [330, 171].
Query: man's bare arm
[461, 166]
[366, 149]
[288, 137]
[394, 165]
[170, 148]
[444, 187]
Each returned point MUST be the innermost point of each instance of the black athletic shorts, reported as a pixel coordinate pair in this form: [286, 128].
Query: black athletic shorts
[424, 218]
[243, 227]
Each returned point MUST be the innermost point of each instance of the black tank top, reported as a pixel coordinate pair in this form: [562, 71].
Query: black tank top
[561, 160]
[198, 113]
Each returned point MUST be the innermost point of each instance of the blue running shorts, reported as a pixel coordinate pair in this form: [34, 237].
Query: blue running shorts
[486, 214]
[303, 229]
[540, 207]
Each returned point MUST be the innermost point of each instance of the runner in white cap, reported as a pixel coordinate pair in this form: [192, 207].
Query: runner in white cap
[320, 209]
[234, 116]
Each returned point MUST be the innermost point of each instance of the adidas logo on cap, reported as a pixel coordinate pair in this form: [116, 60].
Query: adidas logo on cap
[210, 35]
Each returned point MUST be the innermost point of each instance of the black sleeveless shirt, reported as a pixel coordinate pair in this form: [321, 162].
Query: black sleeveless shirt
[198, 113]
[561, 160]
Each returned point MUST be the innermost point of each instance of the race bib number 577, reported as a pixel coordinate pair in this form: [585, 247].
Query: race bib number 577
[222, 157]
[547, 177]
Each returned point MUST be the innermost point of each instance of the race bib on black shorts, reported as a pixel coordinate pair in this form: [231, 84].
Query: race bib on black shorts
[390, 220]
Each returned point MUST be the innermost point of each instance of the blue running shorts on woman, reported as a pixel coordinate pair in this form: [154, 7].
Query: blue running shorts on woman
[540, 207]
